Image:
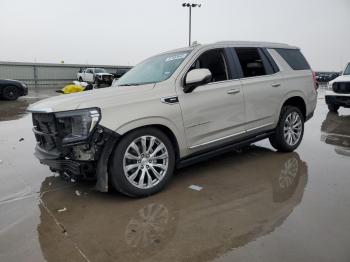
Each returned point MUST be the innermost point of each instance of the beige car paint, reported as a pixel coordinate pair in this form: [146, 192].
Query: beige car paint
[208, 116]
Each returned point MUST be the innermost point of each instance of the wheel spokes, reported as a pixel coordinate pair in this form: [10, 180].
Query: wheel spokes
[145, 161]
[292, 128]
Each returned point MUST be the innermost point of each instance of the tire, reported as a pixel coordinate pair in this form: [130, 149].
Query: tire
[81, 79]
[156, 171]
[10, 93]
[289, 131]
[333, 108]
[96, 82]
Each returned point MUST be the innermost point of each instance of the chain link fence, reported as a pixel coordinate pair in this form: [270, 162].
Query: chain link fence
[45, 75]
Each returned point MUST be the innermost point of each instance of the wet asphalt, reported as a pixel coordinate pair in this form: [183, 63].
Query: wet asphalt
[255, 204]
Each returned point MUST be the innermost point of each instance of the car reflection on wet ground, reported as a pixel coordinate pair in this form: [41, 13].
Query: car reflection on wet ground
[255, 204]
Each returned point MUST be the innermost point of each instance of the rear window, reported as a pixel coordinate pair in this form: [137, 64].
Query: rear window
[294, 58]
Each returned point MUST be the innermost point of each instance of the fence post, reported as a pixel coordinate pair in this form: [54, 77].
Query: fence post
[35, 76]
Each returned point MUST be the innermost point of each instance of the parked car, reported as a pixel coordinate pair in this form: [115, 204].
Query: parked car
[95, 75]
[120, 72]
[325, 77]
[175, 109]
[12, 89]
[339, 93]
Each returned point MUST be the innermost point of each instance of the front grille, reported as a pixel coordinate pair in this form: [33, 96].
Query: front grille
[45, 131]
[341, 87]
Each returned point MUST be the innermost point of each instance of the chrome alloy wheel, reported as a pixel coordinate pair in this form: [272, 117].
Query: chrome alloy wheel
[145, 162]
[293, 128]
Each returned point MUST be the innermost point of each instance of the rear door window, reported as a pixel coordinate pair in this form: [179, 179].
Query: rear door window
[294, 58]
[251, 62]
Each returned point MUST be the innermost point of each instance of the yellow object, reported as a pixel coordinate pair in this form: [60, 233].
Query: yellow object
[68, 89]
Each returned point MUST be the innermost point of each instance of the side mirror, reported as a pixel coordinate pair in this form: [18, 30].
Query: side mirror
[196, 77]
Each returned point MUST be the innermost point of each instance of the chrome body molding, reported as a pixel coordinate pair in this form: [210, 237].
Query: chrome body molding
[233, 135]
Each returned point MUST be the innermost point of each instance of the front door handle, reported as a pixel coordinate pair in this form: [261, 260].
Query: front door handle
[233, 91]
[275, 84]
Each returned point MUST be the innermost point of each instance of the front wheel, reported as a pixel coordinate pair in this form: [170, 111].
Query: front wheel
[333, 108]
[143, 163]
[289, 131]
[96, 81]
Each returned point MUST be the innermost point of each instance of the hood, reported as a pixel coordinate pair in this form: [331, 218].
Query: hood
[342, 78]
[93, 98]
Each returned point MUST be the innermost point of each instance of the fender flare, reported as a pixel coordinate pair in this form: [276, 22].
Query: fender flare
[288, 96]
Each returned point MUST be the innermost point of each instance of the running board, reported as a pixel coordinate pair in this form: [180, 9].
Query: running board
[209, 153]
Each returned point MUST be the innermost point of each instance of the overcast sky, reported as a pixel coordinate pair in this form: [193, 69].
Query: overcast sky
[125, 32]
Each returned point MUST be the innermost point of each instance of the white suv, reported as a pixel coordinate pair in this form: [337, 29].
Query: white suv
[175, 109]
[339, 93]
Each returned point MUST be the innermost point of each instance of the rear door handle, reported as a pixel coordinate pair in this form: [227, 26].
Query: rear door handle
[233, 91]
[275, 84]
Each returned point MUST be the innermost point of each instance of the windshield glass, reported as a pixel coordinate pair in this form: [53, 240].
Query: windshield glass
[347, 70]
[153, 70]
[100, 70]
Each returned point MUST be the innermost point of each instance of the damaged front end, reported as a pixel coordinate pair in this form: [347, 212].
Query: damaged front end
[73, 143]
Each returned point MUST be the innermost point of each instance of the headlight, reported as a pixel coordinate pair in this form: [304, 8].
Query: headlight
[76, 126]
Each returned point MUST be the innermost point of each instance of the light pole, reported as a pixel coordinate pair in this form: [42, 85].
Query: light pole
[190, 5]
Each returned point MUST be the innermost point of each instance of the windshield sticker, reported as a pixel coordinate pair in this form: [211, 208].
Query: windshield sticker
[175, 57]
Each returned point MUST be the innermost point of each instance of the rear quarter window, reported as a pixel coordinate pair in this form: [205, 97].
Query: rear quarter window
[294, 58]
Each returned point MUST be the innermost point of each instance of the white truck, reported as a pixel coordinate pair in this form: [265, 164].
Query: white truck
[339, 91]
[95, 75]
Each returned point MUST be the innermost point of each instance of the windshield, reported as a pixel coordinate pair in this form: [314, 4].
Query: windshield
[100, 70]
[347, 70]
[153, 70]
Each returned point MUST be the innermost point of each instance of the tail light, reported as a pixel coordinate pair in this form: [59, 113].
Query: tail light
[314, 80]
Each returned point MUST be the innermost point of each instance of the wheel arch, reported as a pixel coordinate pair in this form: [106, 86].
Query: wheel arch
[296, 100]
[168, 128]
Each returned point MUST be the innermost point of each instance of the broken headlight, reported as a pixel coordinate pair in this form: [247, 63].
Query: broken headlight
[75, 126]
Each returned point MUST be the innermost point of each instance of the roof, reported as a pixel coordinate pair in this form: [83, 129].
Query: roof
[256, 44]
[233, 43]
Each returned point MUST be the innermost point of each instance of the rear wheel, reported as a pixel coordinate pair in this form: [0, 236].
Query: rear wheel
[333, 108]
[10, 93]
[143, 163]
[289, 131]
[81, 79]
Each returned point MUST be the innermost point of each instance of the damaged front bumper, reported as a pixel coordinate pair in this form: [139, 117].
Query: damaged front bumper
[87, 160]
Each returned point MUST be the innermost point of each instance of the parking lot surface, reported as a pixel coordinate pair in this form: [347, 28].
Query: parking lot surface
[253, 204]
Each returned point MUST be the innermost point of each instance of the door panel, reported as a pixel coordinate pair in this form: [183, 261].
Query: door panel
[212, 112]
[89, 75]
[262, 99]
[262, 87]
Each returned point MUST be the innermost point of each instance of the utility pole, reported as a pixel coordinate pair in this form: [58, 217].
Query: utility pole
[190, 5]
